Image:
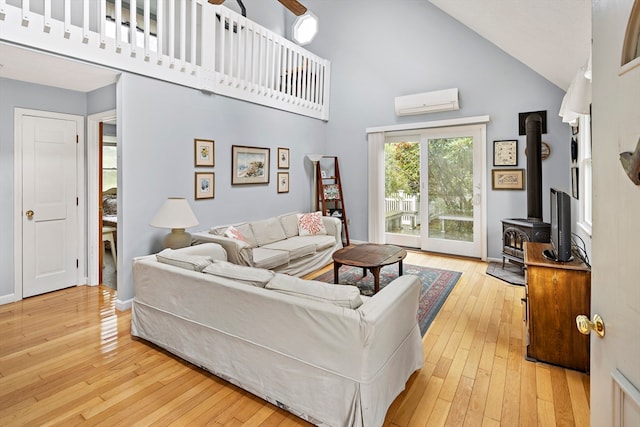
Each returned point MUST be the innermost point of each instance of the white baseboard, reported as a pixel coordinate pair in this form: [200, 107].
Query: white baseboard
[6, 299]
[123, 305]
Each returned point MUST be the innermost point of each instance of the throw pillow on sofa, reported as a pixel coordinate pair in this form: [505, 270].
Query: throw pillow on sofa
[182, 260]
[311, 224]
[341, 295]
[289, 224]
[234, 233]
[250, 275]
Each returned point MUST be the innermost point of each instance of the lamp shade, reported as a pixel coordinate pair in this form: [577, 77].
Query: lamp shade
[175, 213]
[314, 157]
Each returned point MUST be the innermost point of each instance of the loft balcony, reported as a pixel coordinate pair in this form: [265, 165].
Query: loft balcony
[186, 42]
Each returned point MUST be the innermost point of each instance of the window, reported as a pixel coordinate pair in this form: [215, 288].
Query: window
[631, 47]
[109, 163]
[584, 147]
[110, 26]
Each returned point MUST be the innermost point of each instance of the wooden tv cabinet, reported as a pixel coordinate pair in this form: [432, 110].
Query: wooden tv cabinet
[555, 293]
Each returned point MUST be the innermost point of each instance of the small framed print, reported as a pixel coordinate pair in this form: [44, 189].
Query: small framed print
[283, 182]
[204, 152]
[505, 153]
[283, 158]
[507, 179]
[205, 185]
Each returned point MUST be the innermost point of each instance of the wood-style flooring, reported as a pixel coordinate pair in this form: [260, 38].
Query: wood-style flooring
[67, 358]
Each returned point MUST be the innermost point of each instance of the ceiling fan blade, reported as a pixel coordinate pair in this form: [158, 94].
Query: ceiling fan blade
[294, 6]
[216, 1]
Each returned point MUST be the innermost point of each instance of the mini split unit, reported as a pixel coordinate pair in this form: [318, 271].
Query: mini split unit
[427, 102]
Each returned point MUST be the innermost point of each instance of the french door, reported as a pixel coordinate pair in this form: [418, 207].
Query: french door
[433, 189]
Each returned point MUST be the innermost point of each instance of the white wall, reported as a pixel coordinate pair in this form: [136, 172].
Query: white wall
[380, 49]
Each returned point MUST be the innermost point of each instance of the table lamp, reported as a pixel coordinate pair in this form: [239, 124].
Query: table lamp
[177, 215]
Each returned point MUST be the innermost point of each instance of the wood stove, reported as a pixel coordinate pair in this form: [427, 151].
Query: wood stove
[517, 231]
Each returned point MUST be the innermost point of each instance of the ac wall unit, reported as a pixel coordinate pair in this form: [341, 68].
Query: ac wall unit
[427, 102]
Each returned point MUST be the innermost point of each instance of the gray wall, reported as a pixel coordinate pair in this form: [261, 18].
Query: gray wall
[157, 123]
[380, 49]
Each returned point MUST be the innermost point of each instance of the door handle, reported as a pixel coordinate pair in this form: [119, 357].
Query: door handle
[29, 214]
[585, 325]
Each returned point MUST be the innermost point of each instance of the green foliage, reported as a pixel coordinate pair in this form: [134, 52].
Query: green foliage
[402, 167]
[450, 174]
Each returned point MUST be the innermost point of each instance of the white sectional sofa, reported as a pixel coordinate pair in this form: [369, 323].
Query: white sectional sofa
[317, 350]
[276, 243]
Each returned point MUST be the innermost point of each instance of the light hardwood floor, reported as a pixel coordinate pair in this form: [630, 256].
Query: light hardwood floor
[67, 358]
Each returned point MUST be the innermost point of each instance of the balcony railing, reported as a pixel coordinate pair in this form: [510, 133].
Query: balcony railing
[187, 42]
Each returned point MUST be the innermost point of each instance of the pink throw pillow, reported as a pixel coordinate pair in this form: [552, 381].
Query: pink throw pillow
[311, 224]
[234, 233]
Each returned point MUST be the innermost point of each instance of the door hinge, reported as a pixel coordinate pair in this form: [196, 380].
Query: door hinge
[77, 139]
[77, 263]
[77, 201]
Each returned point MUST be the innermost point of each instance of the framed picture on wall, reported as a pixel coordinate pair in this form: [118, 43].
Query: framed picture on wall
[505, 152]
[507, 179]
[205, 185]
[283, 158]
[204, 152]
[250, 165]
[283, 182]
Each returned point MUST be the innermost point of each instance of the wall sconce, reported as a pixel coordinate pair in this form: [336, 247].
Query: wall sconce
[177, 215]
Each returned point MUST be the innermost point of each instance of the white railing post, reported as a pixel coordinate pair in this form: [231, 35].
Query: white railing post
[194, 36]
[133, 28]
[85, 22]
[208, 36]
[183, 34]
[160, 30]
[118, 5]
[147, 28]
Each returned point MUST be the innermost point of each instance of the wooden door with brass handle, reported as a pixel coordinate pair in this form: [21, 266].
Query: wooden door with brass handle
[29, 214]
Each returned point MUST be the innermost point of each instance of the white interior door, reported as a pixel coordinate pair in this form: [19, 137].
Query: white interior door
[615, 286]
[50, 251]
[451, 175]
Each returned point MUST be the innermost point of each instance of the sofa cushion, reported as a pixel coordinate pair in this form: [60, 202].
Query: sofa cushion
[311, 224]
[296, 246]
[289, 224]
[182, 260]
[267, 231]
[269, 258]
[253, 276]
[341, 295]
[321, 242]
[242, 229]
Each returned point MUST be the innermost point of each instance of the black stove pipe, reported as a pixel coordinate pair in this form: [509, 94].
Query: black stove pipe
[533, 125]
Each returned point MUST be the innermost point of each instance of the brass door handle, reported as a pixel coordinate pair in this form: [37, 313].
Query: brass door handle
[585, 325]
[29, 214]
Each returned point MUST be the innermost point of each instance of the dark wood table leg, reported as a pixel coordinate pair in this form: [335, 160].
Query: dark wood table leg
[376, 279]
[400, 268]
[336, 267]
[364, 271]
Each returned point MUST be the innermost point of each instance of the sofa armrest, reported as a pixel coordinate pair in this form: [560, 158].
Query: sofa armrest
[393, 314]
[333, 227]
[238, 252]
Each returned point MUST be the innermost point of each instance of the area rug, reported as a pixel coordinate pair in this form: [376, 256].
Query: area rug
[436, 286]
[511, 273]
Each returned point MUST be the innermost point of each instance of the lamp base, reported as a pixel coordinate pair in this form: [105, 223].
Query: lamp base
[178, 238]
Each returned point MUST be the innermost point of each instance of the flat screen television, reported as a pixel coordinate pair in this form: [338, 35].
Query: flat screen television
[560, 208]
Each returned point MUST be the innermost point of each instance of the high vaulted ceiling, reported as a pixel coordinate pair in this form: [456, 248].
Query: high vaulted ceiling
[552, 37]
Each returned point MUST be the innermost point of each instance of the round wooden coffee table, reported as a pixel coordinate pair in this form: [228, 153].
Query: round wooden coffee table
[369, 256]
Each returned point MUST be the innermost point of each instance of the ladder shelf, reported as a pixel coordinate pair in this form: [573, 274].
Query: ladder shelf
[330, 196]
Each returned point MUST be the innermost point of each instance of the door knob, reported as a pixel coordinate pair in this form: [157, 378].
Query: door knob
[29, 214]
[585, 325]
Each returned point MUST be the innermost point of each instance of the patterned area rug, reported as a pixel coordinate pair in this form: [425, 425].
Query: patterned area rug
[436, 286]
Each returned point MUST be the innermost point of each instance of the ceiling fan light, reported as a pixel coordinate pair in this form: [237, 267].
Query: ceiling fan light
[305, 28]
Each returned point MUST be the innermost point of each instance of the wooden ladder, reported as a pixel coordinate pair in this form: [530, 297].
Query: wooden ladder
[329, 191]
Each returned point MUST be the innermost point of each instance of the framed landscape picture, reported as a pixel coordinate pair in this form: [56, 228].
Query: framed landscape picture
[204, 152]
[507, 179]
[205, 185]
[250, 165]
